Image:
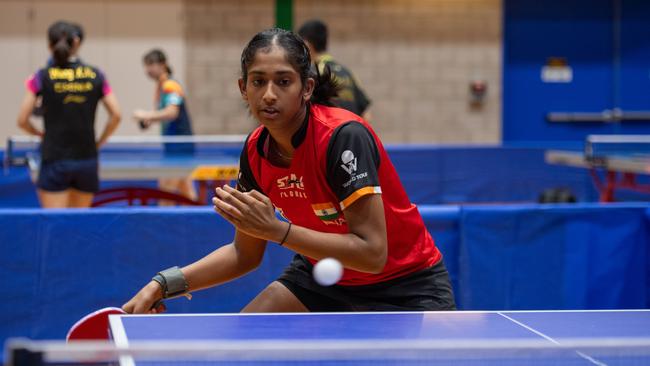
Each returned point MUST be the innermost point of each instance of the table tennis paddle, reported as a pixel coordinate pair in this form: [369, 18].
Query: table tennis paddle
[143, 124]
[93, 326]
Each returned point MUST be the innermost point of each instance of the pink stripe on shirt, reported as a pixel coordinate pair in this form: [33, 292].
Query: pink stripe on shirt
[106, 88]
[33, 83]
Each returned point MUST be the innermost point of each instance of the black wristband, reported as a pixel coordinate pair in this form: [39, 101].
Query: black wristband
[286, 235]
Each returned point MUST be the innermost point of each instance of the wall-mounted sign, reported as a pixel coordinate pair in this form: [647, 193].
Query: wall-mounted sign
[557, 70]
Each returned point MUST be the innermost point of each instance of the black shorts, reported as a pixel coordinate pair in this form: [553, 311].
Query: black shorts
[56, 176]
[425, 290]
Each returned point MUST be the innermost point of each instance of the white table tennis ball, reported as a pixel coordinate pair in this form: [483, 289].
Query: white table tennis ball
[328, 271]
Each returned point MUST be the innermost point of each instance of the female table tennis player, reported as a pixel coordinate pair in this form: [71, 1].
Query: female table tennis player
[326, 172]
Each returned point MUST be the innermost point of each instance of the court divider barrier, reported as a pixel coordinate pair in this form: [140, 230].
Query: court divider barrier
[58, 265]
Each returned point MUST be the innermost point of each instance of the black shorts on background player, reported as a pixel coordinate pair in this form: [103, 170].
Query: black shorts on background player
[60, 175]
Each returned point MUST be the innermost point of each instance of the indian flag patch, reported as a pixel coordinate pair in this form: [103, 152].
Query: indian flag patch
[325, 211]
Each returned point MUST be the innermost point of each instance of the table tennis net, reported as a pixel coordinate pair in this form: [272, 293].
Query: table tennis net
[334, 352]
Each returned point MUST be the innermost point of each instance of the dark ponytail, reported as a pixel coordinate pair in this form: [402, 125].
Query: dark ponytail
[157, 56]
[297, 54]
[326, 87]
[61, 37]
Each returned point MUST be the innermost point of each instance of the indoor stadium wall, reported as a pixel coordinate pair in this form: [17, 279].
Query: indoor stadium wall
[414, 58]
[604, 46]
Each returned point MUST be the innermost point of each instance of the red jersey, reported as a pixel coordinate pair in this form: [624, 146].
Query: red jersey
[338, 159]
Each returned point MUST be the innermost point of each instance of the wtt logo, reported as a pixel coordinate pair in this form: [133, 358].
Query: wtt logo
[349, 162]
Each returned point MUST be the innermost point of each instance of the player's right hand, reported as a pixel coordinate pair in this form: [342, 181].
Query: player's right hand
[145, 299]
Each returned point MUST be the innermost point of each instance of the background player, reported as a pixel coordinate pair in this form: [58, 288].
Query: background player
[70, 91]
[171, 112]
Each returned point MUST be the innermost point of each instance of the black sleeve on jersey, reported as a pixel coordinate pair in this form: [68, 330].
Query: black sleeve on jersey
[245, 180]
[360, 98]
[352, 160]
[102, 80]
[40, 74]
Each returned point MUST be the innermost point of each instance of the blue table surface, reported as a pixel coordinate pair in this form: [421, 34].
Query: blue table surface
[386, 326]
[552, 327]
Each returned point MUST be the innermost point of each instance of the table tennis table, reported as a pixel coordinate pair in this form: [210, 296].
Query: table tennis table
[592, 337]
[138, 158]
[418, 332]
[614, 162]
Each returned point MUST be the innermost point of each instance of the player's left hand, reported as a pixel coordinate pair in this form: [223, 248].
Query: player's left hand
[250, 212]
